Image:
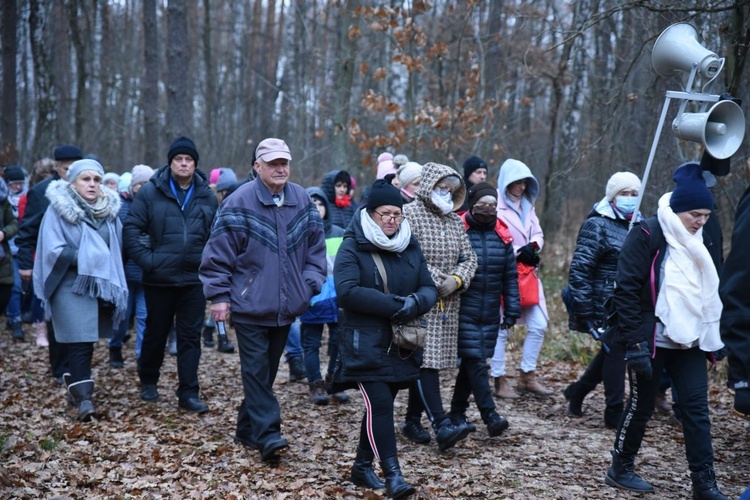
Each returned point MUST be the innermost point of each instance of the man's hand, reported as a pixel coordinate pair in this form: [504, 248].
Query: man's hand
[220, 311]
[25, 274]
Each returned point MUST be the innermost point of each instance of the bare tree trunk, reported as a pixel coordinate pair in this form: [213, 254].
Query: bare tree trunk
[150, 84]
[344, 80]
[179, 107]
[81, 70]
[210, 98]
[9, 152]
[45, 132]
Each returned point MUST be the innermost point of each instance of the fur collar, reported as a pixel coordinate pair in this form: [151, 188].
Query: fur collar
[62, 202]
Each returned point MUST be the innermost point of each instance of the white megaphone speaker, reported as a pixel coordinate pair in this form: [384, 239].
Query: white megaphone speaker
[721, 129]
[678, 48]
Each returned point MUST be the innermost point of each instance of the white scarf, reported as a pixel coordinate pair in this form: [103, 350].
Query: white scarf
[688, 303]
[396, 243]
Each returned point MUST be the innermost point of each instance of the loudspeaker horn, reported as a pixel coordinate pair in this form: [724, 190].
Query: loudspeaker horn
[678, 48]
[721, 129]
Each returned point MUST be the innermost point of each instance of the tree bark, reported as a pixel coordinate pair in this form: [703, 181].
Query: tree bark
[344, 80]
[179, 107]
[9, 153]
[150, 98]
[45, 132]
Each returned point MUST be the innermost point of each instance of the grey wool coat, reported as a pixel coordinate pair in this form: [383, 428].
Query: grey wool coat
[447, 250]
[77, 317]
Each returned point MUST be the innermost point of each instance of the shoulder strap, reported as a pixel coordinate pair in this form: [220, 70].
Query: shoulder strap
[656, 235]
[381, 269]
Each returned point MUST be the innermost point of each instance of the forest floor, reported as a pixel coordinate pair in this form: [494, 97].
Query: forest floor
[135, 449]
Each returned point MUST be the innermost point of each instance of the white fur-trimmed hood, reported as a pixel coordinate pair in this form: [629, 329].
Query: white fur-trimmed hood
[62, 202]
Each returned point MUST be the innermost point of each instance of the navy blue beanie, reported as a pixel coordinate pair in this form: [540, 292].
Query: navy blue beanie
[182, 146]
[472, 164]
[68, 152]
[691, 192]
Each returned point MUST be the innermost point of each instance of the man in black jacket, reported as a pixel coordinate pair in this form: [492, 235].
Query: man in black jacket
[166, 229]
[28, 232]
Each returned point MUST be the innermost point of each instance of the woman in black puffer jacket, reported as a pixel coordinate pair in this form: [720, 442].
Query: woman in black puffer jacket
[591, 283]
[368, 359]
[479, 315]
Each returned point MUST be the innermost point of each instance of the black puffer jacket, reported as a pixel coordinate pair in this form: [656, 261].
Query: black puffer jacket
[496, 276]
[339, 216]
[365, 351]
[165, 241]
[594, 264]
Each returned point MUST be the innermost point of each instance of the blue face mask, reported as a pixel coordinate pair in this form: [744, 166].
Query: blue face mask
[626, 204]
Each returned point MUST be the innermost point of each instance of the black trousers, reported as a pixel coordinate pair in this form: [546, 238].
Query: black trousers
[58, 353]
[186, 305]
[424, 395]
[687, 369]
[610, 369]
[473, 377]
[261, 347]
[80, 355]
[377, 433]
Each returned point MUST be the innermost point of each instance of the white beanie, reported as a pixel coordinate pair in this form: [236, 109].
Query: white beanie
[409, 172]
[621, 181]
[141, 174]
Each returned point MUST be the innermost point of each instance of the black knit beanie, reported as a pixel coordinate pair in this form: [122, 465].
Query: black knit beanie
[383, 192]
[478, 190]
[471, 164]
[182, 146]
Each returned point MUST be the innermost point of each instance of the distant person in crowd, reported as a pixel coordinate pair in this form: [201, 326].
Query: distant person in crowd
[323, 310]
[386, 166]
[475, 171]
[213, 178]
[225, 183]
[8, 230]
[369, 361]
[480, 316]
[15, 179]
[264, 261]
[409, 177]
[31, 306]
[78, 272]
[517, 192]
[139, 176]
[28, 232]
[668, 310]
[123, 187]
[591, 283]
[111, 180]
[337, 186]
[452, 263]
[165, 231]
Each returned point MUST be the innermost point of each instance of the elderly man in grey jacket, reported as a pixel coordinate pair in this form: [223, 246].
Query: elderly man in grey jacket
[265, 259]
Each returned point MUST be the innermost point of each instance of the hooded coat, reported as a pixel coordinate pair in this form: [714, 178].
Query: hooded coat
[340, 217]
[447, 249]
[522, 223]
[76, 316]
[9, 227]
[162, 238]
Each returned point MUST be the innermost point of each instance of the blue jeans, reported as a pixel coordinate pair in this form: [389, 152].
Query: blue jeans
[13, 311]
[293, 344]
[137, 306]
[312, 336]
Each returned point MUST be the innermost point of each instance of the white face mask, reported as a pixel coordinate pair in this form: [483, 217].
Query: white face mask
[443, 201]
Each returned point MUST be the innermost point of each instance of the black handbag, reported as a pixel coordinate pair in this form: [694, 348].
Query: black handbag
[411, 335]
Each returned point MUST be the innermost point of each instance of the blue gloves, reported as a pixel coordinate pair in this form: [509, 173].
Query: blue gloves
[638, 358]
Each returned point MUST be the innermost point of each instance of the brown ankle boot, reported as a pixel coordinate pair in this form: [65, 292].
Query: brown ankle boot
[503, 389]
[527, 382]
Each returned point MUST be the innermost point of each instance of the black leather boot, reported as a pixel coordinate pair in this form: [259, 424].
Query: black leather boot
[496, 424]
[448, 434]
[81, 393]
[395, 486]
[225, 345]
[575, 393]
[208, 336]
[115, 357]
[15, 328]
[622, 475]
[362, 472]
[704, 485]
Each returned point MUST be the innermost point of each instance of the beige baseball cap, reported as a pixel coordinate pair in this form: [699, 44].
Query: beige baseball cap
[272, 149]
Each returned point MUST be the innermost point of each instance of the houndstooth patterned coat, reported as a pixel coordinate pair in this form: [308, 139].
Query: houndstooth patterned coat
[447, 250]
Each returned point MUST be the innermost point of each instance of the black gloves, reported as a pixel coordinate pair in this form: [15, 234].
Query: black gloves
[508, 322]
[638, 357]
[408, 311]
[528, 255]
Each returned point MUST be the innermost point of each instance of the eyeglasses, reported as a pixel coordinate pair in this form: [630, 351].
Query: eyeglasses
[390, 217]
[443, 190]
